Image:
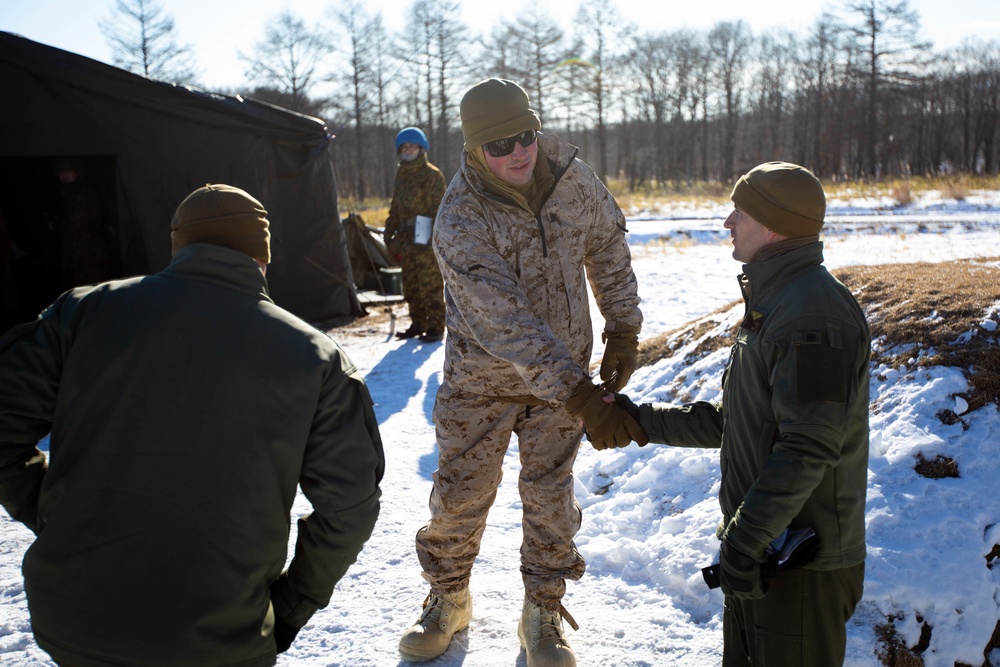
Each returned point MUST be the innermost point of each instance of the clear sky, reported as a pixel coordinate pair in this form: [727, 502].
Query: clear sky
[217, 29]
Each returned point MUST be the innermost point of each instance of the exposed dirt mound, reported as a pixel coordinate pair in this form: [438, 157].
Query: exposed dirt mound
[923, 314]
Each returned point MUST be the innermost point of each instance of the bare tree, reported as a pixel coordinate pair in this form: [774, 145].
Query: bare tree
[440, 62]
[288, 61]
[730, 41]
[571, 77]
[451, 65]
[886, 32]
[142, 41]
[773, 87]
[360, 34]
[847, 98]
[816, 76]
[599, 33]
[500, 53]
[687, 50]
[649, 65]
[380, 78]
[532, 47]
[423, 24]
[977, 82]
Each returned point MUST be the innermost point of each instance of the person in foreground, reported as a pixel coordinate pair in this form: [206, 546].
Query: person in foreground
[417, 192]
[184, 409]
[793, 428]
[522, 227]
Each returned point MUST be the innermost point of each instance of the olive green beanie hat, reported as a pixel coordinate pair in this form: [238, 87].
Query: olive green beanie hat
[784, 197]
[494, 109]
[222, 215]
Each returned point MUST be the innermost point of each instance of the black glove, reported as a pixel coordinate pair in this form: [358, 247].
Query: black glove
[284, 634]
[741, 575]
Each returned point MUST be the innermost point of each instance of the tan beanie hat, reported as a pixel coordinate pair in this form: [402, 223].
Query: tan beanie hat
[784, 197]
[222, 215]
[494, 109]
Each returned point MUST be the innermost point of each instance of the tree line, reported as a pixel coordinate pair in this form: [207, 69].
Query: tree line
[859, 95]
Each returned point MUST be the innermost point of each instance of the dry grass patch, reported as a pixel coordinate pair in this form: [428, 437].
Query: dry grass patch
[939, 468]
[679, 188]
[892, 652]
[956, 190]
[902, 193]
[930, 314]
[921, 315]
[954, 186]
[664, 345]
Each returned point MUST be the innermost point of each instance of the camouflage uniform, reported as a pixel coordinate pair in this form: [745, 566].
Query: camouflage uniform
[418, 190]
[519, 342]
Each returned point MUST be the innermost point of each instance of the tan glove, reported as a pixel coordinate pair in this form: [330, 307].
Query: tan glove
[606, 424]
[620, 351]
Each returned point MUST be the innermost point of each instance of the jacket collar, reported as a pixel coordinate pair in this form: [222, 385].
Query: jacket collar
[760, 277]
[219, 265]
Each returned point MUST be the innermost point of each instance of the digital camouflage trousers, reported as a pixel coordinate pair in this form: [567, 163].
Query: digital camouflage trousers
[473, 433]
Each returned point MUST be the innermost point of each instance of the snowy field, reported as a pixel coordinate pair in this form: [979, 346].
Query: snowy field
[650, 513]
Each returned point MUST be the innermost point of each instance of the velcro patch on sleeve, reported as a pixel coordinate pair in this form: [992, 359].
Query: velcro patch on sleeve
[819, 367]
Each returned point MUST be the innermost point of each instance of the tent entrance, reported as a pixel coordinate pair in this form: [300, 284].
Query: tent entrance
[58, 229]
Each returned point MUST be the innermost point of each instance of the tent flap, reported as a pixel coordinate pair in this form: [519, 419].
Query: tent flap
[167, 140]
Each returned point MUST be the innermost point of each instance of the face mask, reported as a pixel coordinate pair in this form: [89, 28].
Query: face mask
[409, 157]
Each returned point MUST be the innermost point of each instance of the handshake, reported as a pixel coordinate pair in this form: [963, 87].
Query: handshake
[609, 420]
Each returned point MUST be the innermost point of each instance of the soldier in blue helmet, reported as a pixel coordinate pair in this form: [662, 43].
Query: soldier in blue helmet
[416, 195]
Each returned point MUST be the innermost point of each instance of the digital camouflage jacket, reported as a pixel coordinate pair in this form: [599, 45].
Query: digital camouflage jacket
[516, 285]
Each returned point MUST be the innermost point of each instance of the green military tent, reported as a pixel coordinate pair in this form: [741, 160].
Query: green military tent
[138, 147]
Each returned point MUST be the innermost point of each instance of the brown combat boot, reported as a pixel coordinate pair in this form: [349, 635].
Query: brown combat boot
[443, 616]
[541, 635]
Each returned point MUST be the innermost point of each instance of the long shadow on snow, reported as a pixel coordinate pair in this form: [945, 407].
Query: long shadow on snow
[393, 382]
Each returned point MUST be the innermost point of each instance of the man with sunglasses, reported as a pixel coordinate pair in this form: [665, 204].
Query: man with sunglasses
[521, 230]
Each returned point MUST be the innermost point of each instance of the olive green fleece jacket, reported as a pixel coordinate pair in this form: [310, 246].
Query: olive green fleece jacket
[793, 420]
[185, 408]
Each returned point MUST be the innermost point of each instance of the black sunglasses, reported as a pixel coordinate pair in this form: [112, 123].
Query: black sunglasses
[505, 146]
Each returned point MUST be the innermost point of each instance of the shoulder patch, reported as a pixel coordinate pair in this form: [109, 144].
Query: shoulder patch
[754, 320]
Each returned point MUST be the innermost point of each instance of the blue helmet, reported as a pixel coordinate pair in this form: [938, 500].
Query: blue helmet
[412, 135]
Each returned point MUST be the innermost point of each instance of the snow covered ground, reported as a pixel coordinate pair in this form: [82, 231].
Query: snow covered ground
[650, 513]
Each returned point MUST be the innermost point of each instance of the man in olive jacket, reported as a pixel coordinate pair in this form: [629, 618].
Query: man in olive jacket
[184, 408]
[793, 428]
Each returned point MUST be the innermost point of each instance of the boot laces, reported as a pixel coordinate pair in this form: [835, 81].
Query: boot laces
[433, 608]
[550, 626]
